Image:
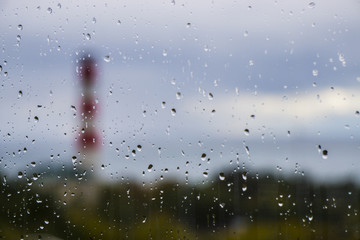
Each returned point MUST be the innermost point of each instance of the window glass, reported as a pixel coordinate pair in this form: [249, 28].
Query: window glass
[179, 119]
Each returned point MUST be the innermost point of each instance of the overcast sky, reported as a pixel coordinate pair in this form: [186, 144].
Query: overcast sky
[284, 70]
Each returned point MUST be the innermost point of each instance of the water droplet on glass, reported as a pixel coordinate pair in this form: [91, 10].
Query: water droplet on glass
[20, 94]
[210, 96]
[205, 174]
[315, 72]
[280, 204]
[357, 113]
[324, 154]
[203, 156]
[49, 10]
[173, 111]
[244, 175]
[33, 164]
[107, 58]
[163, 104]
[164, 53]
[94, 20]
[144, 219]
[73, 159]
[20, 27]
[36, 118]
[178, 95]
[20, 174]
[247, 132]
[311, 5]
[88, 36]
[59, 5]
[139, 147]
[222, 176]
[244, 188]
[188, 25]
[150, 167]
[222, 205]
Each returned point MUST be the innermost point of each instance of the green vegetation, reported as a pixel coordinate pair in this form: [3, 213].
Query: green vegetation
[242, 206]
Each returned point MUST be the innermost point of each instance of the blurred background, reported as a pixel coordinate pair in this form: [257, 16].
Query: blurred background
[249, 102]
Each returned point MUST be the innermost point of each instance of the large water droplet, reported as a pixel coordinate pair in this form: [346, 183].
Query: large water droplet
[222, 176]
[150, 167]
[107, 58]
[20, 174]
[247, 132]
[324, 154]
[244, 175]
[203, 156]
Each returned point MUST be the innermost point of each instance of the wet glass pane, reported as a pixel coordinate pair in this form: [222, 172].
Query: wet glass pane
[179, 119]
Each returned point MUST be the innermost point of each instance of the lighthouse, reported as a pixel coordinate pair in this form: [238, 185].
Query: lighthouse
[88, 138]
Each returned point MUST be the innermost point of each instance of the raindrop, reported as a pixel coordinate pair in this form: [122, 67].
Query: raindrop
[36, 118]
[73, 159]
[163, 104]
[205, 174]
[20, 27]
[88, 36]
[164, 53]
[357, 113]
[312, 5]
[281, 204]
[222, 205]
[49, 10]
[150, 167]
[33, 164]
[315, 72]
[178, 95]
[210, 96]
[173, 111]
[94, 20]
[222, 176]
[244, 188]
[188, 25]
[247, 132]
[203, 156]
[139, 147]
[20, 94]
[102, 166]
[324, 154]
[107, 58]
[244, 175]
[144, 219]
[20, 174]
[18, 37]
[59, 5]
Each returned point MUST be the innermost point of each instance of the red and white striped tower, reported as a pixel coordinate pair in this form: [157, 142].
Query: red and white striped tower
[88, 139]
